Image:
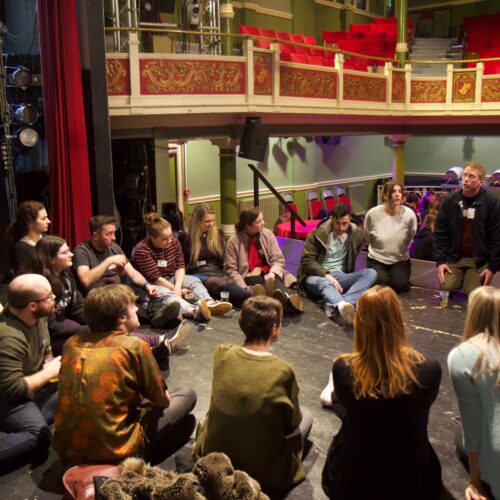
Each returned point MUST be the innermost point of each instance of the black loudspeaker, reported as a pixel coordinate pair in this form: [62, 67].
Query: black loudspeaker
[254, 139]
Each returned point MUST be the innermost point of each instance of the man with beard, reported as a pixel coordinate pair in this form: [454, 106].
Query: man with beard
[27, 398]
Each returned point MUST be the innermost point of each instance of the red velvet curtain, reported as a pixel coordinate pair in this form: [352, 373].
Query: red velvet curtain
[71, 205]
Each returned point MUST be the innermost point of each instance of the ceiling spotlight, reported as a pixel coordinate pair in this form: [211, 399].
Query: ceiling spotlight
[26, 114]
[21, 77]
[28, 137]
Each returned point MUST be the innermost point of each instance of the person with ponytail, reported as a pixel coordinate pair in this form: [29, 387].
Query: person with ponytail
[160, 259]
[31, 223]
[254, 261]
[383, 392]
[475, 372]
[204, 254]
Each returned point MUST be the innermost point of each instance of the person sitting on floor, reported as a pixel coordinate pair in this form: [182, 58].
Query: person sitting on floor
[100, 261]
[475, 372]
[254, 261]
[421, 248]
[204, 254]
[27, 398]
[53, 259]
[106, 374]
[160, 259]
[254, 415]
[383, 394]
[32, 222]
[327, 264]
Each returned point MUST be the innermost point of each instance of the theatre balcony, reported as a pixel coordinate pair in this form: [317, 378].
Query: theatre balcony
[317, 90]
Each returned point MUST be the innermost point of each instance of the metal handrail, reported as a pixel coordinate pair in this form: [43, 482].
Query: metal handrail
[293, 213]
[325, 48]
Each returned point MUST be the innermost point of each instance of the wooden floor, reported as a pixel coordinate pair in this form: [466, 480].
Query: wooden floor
[309, 341]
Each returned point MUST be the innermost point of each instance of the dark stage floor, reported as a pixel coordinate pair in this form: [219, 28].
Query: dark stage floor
[309, 341]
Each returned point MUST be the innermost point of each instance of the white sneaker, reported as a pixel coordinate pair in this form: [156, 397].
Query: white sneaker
[347, 313]
[326, 394]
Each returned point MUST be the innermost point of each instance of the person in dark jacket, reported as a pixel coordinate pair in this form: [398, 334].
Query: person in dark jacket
[384, 391]
[421, 248]
[327, 264]
[467, 235]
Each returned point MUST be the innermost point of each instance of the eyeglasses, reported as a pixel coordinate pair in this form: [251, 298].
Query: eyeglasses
[64, 252]
[50, 296]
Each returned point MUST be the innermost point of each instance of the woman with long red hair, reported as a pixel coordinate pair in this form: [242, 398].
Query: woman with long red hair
[384, 389]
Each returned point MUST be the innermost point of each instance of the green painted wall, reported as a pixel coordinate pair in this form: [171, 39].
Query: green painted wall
[327, 19]
[296, 162]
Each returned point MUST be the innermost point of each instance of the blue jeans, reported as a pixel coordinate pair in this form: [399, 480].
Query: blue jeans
[353, 285]
[26, 425]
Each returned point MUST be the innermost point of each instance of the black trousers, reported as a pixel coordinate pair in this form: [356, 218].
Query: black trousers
[397, 276]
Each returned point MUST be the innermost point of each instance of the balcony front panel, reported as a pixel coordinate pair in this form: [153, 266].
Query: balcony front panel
[188, 76]
[303, 82]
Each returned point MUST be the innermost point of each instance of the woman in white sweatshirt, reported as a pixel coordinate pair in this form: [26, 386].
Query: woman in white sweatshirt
[390, 228]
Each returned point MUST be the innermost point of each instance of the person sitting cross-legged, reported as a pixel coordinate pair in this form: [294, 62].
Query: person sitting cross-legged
[327, 265]
[160, 259]
[106, 377]
[100, 261]
[27, 398]
[254, 415]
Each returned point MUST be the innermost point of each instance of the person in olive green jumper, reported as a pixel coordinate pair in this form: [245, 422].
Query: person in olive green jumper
[254, 415]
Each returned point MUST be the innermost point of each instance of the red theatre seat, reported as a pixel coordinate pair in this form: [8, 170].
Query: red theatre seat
[285, 36]
[311, 40]
[333, 37]
[297, 38]
[317, 60]
[360, 28]
[265, 44]
[298, 58]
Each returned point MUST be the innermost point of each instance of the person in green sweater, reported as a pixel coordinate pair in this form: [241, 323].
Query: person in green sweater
[254, 415]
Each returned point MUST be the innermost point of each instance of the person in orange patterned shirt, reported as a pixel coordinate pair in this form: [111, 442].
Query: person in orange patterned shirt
[113, 400]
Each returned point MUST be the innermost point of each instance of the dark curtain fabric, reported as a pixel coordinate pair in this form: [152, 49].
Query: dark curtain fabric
[64, 120]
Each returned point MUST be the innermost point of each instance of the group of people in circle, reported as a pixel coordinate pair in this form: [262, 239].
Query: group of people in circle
[382, 390]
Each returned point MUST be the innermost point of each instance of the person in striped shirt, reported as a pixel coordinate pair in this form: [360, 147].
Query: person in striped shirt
[159, 257]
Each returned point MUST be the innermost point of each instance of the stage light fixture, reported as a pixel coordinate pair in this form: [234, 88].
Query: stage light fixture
[21, 77]
[28, 137]
[26, 113]
[191, 14]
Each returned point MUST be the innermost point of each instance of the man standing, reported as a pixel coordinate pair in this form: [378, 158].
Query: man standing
[106, 376]
[27, 399]
[327, 265]
[467, 235]
[100, 261]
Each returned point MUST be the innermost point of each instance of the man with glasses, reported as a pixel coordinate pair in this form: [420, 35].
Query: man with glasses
[27, 368]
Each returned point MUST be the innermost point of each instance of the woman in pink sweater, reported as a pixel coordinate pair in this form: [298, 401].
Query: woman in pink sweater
[254, 260]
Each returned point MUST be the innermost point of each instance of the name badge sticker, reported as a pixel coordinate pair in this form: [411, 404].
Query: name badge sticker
[162, 263]
[471, 213]
[201, 263]
[112, 267]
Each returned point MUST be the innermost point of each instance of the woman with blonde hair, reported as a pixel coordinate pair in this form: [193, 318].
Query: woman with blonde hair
[475, 372]
[204, 254]
[384, 389]
[159, 258]
[390, 228]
